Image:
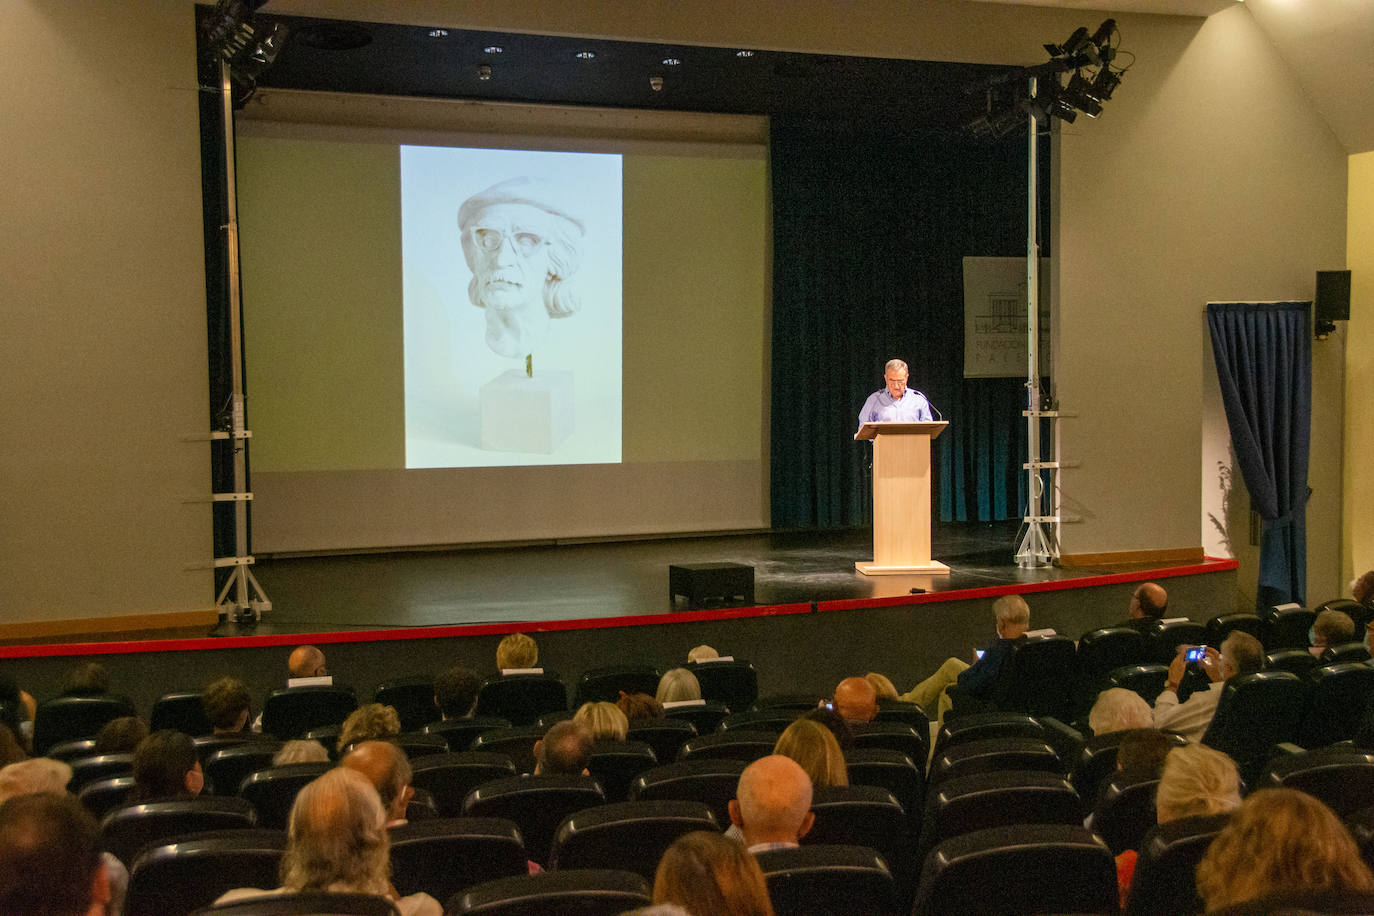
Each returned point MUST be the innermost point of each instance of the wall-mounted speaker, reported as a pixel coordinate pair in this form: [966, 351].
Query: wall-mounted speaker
[1333, 296]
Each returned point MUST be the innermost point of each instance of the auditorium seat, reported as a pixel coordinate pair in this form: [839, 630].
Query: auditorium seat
[126, 830]
[1025, 868]
[86, 770]
[894, 736]
[964, 804]
[1347, 652]
[831, 880]
[705, 717]
[1096, 762]
[958, 730]
[1146, 680]
[1165, 636]
[207, 745]
[1164, 883]
[580, 891]
[1353, 609]
[445, 855]
[421, 806]
[709, 780]
[798, 702]
[290, 712]
[1336, 701]
[665, 736]
[890, 770]
[190, 872]
[605, 684]
[549, 719]
[521, 698]
[905, 713]
[537, 804]
[1102, 651]
[420, 744]
[1295, 661]
[273, 790]
[615, 764]
[629, 835]
[738, 744]
[227, 768]
[67, 718]
[104, 795]
[991, 754]
[733, 683]
[1125, 811]
[517, 743]
[305, 903]
[72, 750]
[1256, 712]
[1037, 678]
[182, 711]
[459, 733]
[412, 698]
[1341, 776]
[450, 777]
[865, 816]
[1289, 625]
[1223, 625]
[763, 720]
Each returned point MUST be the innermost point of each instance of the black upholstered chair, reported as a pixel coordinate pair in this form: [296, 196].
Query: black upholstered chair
[1255, 713]
[72, 750]
[798, 702]
[459, 733]
[1037, 678]
[762, 720]
[182, 711]
[1165, 879]
[1341, 776]
[522, 698]
[104, 795]
[537, 804]
[442, 856]
[1125, 811]
[67, 718]
[905, 713]
[893, 736]
[1223, 625]
[865, 816]
[991, 754]
[1165, 636]
[86, 770]
[290, 712]
[711, 780]
[615, 764]
[1096, 763]
[964, 804]
[1146, 680]
[629, 835]
[517, 743]
[831, 880]
[736, 744]
[1346, 652]
[581, 891]
[606, 684]
[1336, 701]
[1102, 651]
[1295, 661]
[733, 683]
[189, 872]
[273, 791]
[306, 903]
[412, 698]
[705, 716]
[665, 736]
[983, 725]
[126, 830]
[227, 768]
[421, 744]
[450, 777]
[1025, 868]
[890, 770]
[1288, 626]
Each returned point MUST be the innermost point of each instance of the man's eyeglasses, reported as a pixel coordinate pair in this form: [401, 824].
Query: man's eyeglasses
[492, 239]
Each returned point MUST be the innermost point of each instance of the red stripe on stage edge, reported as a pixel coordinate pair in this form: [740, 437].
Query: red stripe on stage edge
[484, 629]
[1209, 565]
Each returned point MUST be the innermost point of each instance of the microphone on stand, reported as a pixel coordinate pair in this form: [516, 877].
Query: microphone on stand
[931, 405]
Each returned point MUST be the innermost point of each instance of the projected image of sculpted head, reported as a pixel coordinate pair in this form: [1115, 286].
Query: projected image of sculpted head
[524, 248]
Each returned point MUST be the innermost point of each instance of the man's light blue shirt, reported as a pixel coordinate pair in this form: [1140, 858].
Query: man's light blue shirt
[882, 408]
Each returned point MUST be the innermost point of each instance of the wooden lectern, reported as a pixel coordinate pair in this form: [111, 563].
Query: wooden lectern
[901, 498]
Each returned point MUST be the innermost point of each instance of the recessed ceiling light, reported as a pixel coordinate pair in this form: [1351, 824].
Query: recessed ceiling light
[586, 55]
[744, 53]
[671, 62]
[438, 33]
[493, 49]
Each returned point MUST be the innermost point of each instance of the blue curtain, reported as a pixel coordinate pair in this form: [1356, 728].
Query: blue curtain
[1264, 363]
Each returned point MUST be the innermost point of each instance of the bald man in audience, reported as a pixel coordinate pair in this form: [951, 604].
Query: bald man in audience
[1149, 603]
[772, 804]
[306, 661]
[388, 769]
[565, 750]
[856, 700]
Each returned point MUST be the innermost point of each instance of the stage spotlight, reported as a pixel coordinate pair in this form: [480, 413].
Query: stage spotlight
[1080, 95]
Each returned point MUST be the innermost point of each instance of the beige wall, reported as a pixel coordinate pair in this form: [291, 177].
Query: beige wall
[103, 352]
[1359, 384]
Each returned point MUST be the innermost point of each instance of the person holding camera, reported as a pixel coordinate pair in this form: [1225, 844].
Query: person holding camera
[1240, 653]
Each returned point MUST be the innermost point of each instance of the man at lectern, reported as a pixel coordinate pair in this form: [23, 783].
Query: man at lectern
[896, 402]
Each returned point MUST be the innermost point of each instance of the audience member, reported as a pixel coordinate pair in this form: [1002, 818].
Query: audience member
[677, 686]
[1142, 752]
[1331, 628]
[814, 748]
[704, 872]
[23, 705]
[120, 736]
[517, 651]
[89, 680]
[835, 723]
[882, 685]
[702, 654]
[337, 841]
[1149, 603]
[300, 750]
[166, 767]
[978, 679]
[1280, 841]
[1118, 709]
[856, 701]
[565, 749]
[1240, 654]
[772, 804]
[455, 692]
[1362, 590]
[606, 721]
[50, 861]
[227, 705]
[306, 661]
[369, 722]
[388, 769]
[639, 707]
[11, 751]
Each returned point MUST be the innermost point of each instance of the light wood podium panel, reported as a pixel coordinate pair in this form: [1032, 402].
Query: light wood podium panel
[901, 498]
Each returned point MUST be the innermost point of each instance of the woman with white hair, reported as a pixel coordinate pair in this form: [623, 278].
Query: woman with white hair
[337, 841]
[1117, 710]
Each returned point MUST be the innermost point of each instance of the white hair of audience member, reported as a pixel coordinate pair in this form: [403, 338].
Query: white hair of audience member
[301, 750]
[702, 653]
[35, 776]
[1011, 609]
[336, 837]
[1118, 709]
[678, 685]
[1196, 780]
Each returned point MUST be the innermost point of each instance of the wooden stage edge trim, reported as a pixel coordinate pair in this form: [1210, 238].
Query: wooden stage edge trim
[1209, 565]
[1174, 555]
[29, 629]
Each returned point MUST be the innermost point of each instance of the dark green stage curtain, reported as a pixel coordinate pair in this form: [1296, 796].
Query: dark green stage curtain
[870, 226]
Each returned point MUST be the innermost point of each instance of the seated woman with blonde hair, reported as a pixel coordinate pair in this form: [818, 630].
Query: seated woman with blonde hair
[814, 747]
[605, 720]
[678, 685]
[882, 685]
[370, 722]
[706, 873]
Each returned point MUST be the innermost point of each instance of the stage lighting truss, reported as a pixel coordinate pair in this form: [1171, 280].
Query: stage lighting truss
[1088, 60]
[248, 45]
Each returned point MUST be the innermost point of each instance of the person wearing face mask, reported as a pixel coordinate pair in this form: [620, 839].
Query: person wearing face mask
[895, 402]
[1332, 628]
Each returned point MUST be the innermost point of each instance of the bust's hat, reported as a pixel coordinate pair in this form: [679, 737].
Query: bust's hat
[535, 192]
